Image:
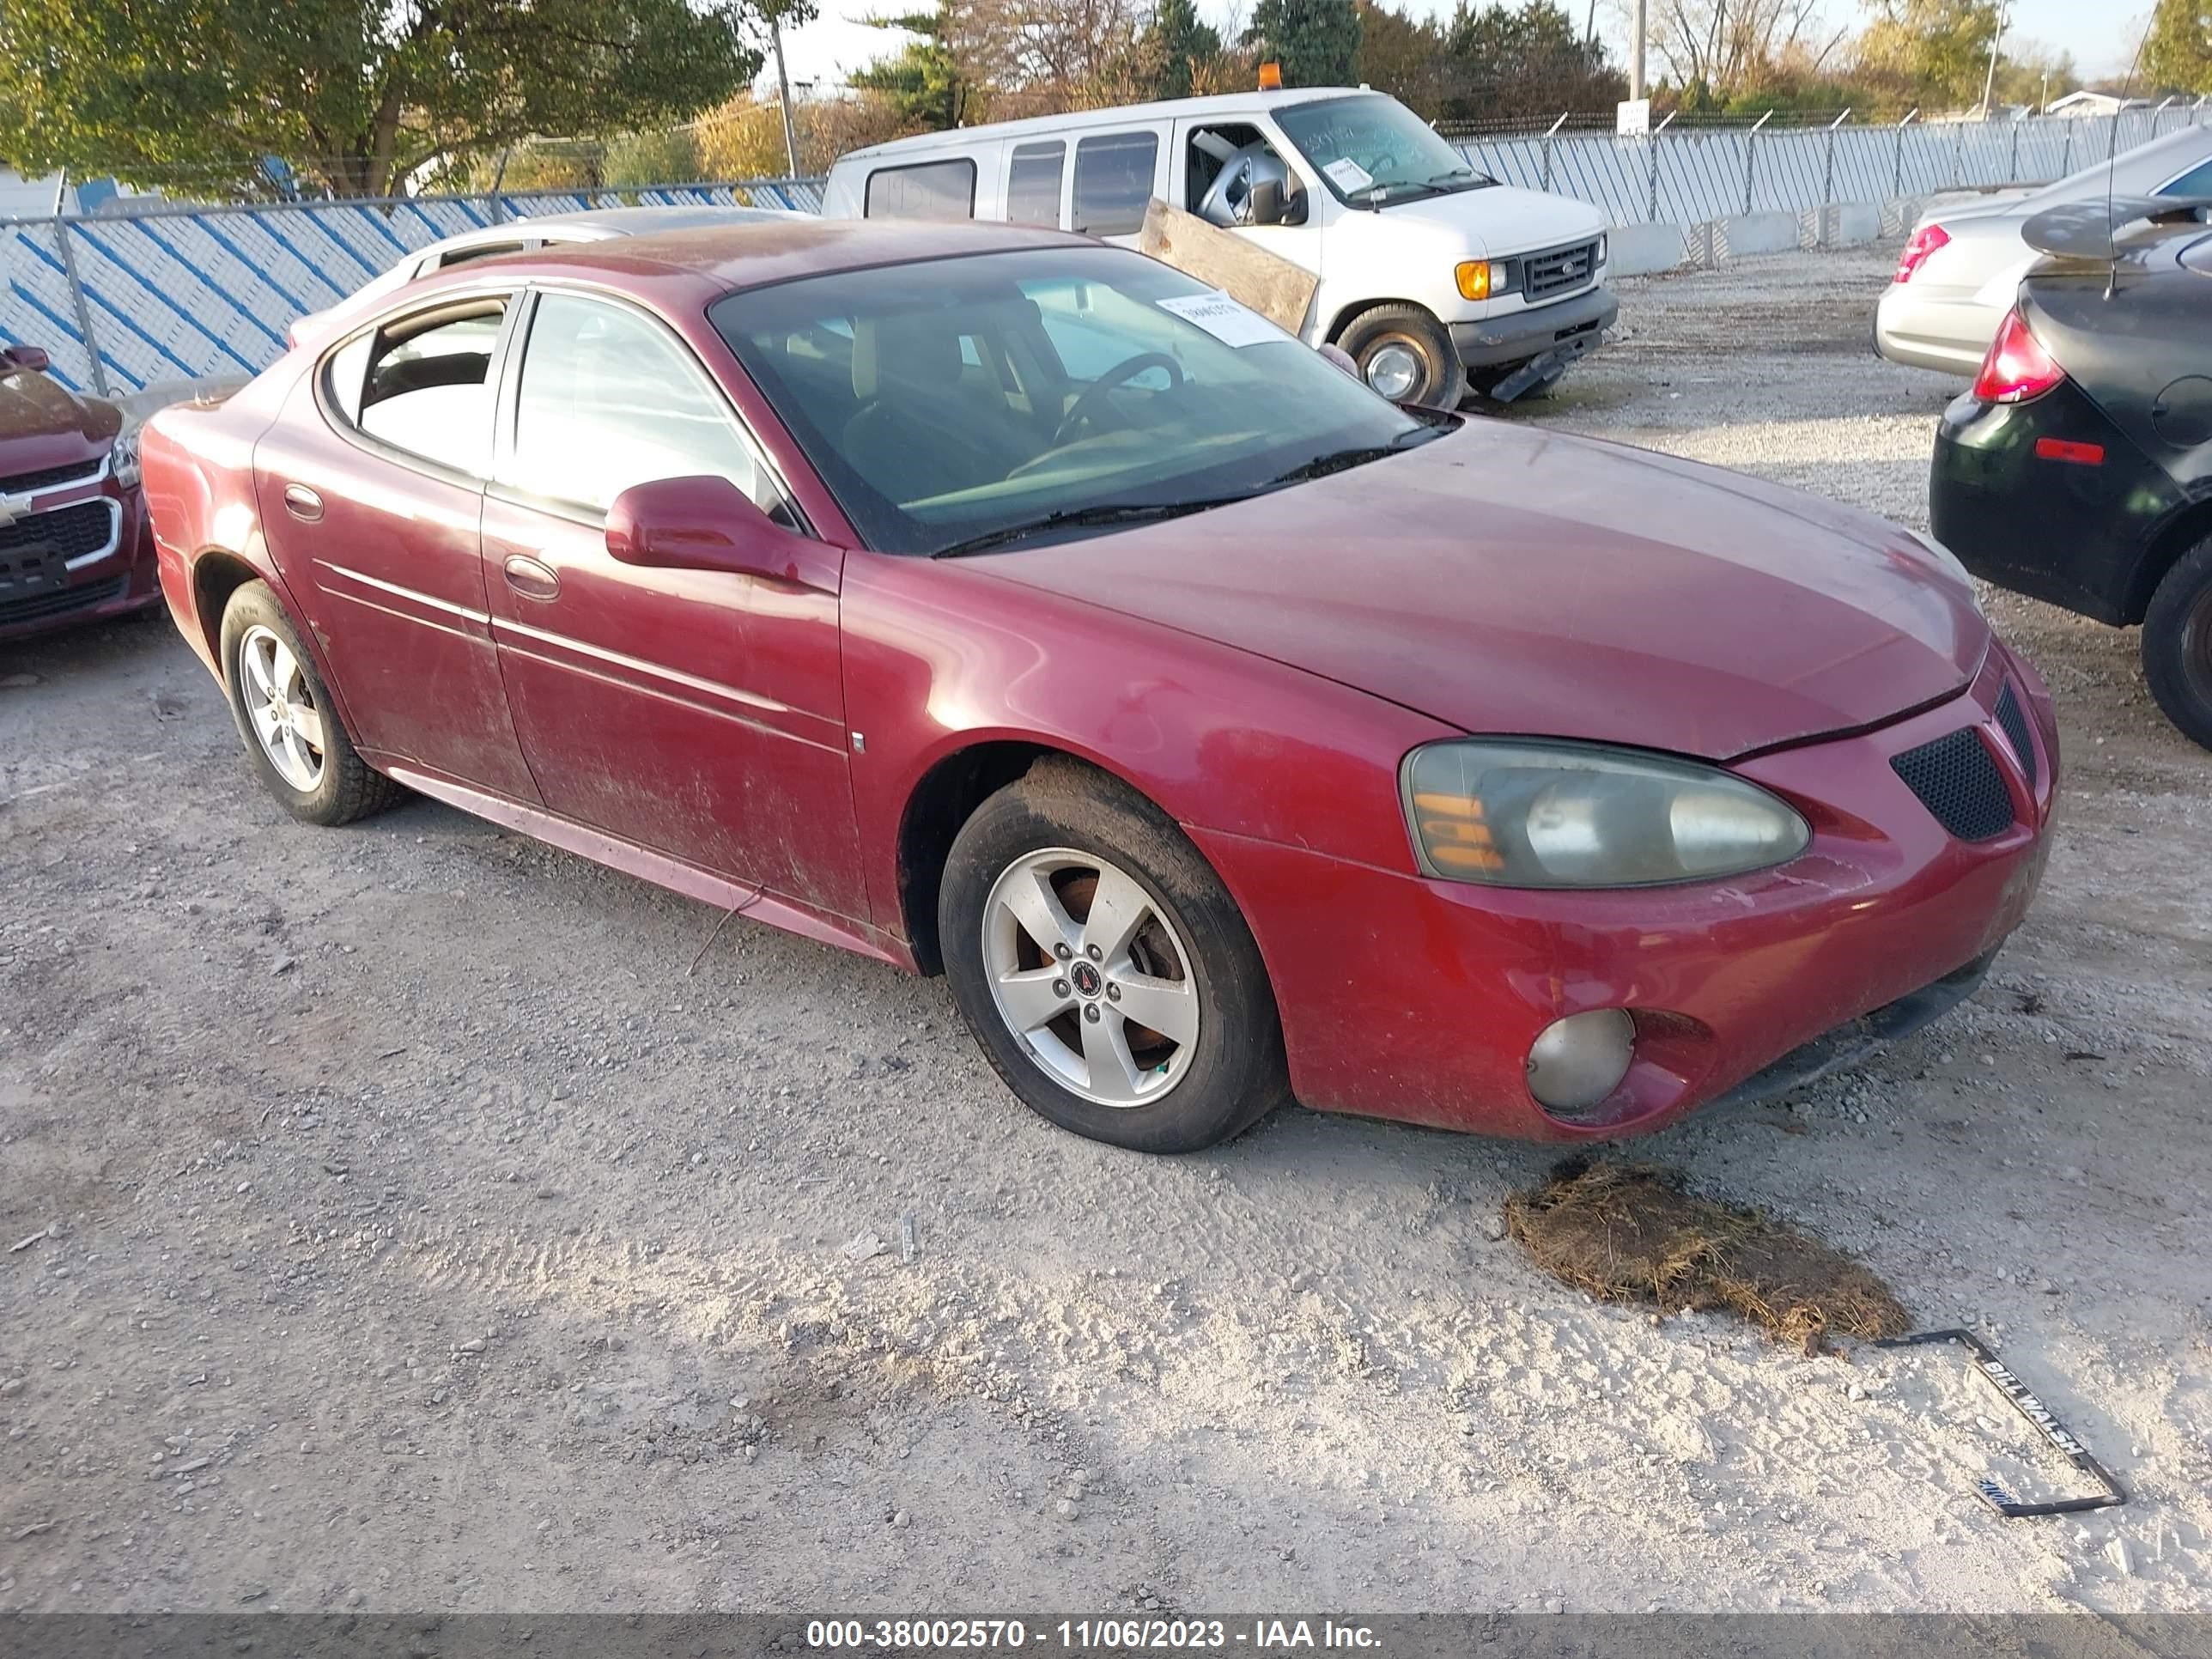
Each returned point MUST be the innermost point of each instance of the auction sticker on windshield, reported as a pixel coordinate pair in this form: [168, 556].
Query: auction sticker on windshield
[1230, 321]
[1348, 175]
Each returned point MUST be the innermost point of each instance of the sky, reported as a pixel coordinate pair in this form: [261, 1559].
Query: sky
[2102, 44]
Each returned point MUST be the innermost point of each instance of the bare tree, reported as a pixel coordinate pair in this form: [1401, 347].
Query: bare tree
[1727, 44]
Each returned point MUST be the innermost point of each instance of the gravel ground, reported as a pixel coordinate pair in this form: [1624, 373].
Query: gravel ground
[425, 1233]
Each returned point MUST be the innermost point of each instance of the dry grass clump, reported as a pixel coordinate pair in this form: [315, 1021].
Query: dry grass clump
[1635, 1232]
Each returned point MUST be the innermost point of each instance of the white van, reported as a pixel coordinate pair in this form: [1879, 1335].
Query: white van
[1431, 275]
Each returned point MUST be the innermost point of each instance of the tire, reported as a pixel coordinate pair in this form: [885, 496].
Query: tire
[2177, 644]
[1176, 941]
[341, 787]
[1383, 337]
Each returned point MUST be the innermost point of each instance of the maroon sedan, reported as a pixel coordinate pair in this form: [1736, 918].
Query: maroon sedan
[989, 601]
[74, 543]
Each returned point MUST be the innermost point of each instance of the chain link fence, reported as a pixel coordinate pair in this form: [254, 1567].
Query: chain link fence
[1685, 175]
[151, 294]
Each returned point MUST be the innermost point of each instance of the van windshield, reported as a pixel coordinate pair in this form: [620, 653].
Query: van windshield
[966, 404]
[1375, 152]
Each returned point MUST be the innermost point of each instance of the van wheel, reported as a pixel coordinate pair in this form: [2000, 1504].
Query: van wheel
[2177, 644]
[1407, 356]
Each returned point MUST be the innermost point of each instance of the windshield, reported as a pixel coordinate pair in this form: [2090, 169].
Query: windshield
[1373, 150]
[1044, 392]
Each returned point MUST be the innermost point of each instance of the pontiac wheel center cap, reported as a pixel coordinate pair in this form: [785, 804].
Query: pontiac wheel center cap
[1088, 979]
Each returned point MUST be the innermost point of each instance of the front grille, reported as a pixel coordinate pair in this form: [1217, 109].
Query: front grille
[72, 531]
[1957, 780]
[22, 483]
[1561, 268]
[59, 601]
[2013, 718]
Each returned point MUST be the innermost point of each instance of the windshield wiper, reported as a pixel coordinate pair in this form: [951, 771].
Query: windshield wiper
[1082, 517]
[1343, 460]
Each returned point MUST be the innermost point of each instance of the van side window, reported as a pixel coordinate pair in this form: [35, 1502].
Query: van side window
[1033, 183]
[1113, 182]
[928, 190]
[1210, 147]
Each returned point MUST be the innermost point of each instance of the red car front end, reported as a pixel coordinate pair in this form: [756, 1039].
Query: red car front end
[1409, 998]
[76, 545]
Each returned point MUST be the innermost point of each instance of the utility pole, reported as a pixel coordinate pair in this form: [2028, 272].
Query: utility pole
[1989, 81]
[783, 96]
[1638, 28]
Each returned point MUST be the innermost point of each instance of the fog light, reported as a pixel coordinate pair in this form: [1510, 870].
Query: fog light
[1577, 1062]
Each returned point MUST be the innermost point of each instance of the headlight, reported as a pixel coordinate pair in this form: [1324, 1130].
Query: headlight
[1479, 279]
[1528, 814]
[123, 460]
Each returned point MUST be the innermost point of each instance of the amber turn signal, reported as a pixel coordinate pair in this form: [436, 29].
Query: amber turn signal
[1475, 278]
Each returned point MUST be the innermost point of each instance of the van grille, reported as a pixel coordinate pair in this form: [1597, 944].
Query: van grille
[1561, 268]
[1957, 780]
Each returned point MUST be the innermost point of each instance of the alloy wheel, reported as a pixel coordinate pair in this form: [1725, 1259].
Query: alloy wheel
[281, 707]
[1090, 977]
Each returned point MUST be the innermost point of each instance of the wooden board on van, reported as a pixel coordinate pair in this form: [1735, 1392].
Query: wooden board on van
[1279, 290]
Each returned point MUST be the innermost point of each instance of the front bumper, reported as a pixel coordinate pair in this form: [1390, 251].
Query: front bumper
[1415, 1000]
[41, 592]
[1570, 327]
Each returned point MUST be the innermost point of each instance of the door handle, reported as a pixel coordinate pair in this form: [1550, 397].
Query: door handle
[302, 503]
[532, 578]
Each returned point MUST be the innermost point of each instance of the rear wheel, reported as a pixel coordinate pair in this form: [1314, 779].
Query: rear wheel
[1407, 356]
[1104, 967]
[2177, 644]
[290, 724]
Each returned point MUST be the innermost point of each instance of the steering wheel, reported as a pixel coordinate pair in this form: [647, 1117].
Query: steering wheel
[1093, 395]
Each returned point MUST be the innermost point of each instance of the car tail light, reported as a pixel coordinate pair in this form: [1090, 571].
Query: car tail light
[1925, 241]
[2017, 368]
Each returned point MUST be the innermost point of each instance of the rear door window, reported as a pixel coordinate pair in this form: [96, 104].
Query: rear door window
[928, 189]
[1033, 183]
[426, 387]
[1112, 181]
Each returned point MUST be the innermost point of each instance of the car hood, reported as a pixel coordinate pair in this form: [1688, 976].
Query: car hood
[42, 424]
[1498, 220]
[1509, 581]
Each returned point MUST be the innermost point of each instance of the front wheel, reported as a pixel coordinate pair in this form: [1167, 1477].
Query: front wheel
[1105, 969]
[1407, 356]
[2177, 644]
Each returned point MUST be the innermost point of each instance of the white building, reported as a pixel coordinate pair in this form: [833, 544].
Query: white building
[2085, 104]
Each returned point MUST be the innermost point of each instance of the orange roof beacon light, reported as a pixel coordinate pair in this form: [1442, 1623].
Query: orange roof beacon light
[1271, 77]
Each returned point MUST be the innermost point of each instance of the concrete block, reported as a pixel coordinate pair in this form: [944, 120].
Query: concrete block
[1753, 232]
[1634, 250]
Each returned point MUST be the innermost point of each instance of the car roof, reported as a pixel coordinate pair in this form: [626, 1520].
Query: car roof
[722, 259]
[591, 224]
[1219, 104]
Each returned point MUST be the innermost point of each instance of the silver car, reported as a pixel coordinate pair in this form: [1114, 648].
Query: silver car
[1962, 267]
[595, 225]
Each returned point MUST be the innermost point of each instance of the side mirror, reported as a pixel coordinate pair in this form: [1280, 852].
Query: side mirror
[698, 524]
[1265, 204]
[24, 359]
